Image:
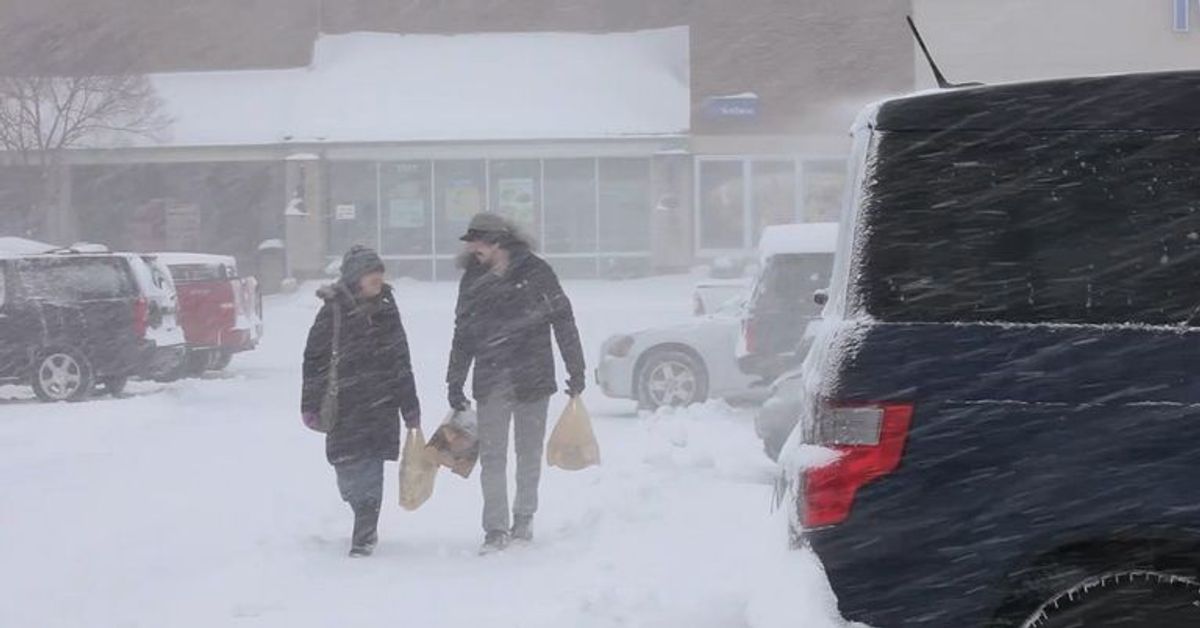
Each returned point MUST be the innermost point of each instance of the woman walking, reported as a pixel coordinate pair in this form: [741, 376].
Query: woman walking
[374, 385]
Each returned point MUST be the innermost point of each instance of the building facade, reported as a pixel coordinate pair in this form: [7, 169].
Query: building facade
[699, 140]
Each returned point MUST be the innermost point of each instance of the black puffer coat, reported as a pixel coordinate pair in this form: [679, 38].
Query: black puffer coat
[375, 375]
[504, 323]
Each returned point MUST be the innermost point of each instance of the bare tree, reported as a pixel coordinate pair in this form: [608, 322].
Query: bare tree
[41, 116]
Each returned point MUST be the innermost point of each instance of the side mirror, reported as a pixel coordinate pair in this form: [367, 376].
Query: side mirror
[821, 297]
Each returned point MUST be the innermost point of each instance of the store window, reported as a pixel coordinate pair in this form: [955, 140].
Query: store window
[624, 205]
[722, 204]
[516, 192]
[824, 183]
[353, 196]
[570, 205]
[773, 195]
[461, 193]
[405, 191]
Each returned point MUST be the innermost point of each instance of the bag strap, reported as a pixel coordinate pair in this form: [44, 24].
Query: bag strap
[335, 356]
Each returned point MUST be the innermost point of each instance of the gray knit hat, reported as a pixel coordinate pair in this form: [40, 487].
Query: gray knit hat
[359, 262]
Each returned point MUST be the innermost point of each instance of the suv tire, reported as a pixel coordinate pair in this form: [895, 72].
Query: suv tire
[221, 360]
[115, 386]
[671, 378]
[1132, 599]
[197, 362]
[62, 375]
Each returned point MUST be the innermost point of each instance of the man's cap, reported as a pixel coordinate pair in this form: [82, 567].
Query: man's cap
[486, 226]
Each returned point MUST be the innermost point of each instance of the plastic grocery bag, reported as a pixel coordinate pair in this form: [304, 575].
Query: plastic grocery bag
[572, 444]
[417, 471]
[456, 443]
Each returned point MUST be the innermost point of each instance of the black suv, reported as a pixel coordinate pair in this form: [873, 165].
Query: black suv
[70, 321]
[796, 260]
[1010, 361]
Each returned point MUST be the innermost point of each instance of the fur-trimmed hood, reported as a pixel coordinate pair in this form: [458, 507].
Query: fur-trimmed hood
[338, 289]
[519, 242]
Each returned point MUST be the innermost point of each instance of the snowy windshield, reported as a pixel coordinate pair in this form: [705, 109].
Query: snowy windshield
[69, 280]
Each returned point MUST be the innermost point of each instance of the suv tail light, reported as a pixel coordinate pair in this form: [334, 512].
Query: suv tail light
[141, 317]
[749, 336]
[871, 441]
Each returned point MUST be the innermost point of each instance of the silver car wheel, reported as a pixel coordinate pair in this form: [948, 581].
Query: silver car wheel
[672, 383]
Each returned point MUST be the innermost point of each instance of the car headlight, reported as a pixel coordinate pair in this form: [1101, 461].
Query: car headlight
[618, 346]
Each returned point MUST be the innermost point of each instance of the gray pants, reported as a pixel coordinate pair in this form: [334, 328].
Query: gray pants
[360, 480]
[529, 426]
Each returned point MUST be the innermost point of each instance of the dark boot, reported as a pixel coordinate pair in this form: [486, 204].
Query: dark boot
[366, 529]
[495, 541]
[522, 529]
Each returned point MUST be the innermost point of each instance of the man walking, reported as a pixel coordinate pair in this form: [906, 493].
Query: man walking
[509, 300]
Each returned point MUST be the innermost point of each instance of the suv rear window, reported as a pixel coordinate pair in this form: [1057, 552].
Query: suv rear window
[183, 273]
[1070, 227]
[789, 281]
[77, 279]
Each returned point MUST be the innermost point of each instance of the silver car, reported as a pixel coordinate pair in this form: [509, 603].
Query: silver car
[678, 365]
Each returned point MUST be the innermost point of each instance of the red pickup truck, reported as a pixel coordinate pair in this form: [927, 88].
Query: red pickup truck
[220, 311]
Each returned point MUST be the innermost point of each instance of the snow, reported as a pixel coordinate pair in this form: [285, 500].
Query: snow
[20, 246]
[812, 237]
[272, 244]
[205, 503]
[382, 87]
[88, 247]
[195, 259]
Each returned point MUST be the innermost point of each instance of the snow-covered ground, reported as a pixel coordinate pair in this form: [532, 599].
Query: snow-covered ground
[205, 503]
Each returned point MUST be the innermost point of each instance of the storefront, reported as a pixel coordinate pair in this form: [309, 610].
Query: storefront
[590, 215]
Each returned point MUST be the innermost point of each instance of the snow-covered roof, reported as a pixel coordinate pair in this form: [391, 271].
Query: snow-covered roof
[381, 87]
[807, 237]
[21, 246]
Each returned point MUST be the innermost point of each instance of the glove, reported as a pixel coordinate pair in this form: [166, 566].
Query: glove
[575, 386]
[311, 419]
[413, 423]
[458, 401]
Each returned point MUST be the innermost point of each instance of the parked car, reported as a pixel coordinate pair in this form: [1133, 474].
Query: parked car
[795, 261]
[71, 321]
[1009, 363]
[713, 294]
[676, 365]
[221, 311]
[780, 413]
[154, 283]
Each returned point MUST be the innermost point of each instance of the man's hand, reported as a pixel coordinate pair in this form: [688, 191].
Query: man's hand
[458, 401]
[575, 386]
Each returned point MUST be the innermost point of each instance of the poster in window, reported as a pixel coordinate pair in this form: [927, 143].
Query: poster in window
[463, 200]
[517, 200]
[406, 213]
[406, 206]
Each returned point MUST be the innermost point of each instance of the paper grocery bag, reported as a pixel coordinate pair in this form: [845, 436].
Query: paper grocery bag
[455, 444]
[572, 444]
[417, 471]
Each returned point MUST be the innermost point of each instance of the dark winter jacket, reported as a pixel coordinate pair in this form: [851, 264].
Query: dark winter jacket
[503, 323]
[375, 374]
